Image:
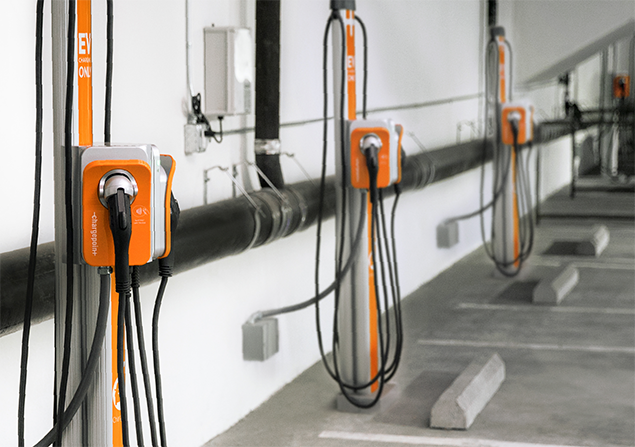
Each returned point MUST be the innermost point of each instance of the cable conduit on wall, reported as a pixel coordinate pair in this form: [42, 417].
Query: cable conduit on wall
[211, 232]
[417, 105]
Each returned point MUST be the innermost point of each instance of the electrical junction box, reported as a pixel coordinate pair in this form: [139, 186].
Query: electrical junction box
[228, 71]
[151, 176]
[260, 339]
[524, 112]
[195, 139]
[448, 234]
[389, 154]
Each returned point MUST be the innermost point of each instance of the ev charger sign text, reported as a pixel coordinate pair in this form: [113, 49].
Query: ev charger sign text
[84, 41]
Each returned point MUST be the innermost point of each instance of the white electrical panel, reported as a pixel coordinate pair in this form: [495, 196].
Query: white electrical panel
[228, 71]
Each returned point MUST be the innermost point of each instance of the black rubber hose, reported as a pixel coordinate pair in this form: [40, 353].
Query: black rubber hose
[492, 12]
[267, 123]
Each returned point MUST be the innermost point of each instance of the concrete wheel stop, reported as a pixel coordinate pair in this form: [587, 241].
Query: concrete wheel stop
[591, 243]
[596, 242]
[556, 285]
[459, 404]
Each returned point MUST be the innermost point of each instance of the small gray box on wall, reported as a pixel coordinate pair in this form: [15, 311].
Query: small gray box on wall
[228, 71]
[260, 339]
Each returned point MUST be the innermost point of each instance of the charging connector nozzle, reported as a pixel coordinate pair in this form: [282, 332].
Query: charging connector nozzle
[121, 227]
[371, 145]
[514, 122]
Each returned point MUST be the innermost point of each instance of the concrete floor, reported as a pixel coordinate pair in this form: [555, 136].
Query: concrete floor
[570, 369]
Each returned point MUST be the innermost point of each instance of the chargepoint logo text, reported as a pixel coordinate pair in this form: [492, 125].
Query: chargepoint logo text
[93, 234]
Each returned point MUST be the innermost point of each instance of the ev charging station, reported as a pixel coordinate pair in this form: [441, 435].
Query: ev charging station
[358, 353]
[509, 125]
[113, 209]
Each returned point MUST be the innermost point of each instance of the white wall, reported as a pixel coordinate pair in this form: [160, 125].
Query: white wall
[546, 31]
[419, 51]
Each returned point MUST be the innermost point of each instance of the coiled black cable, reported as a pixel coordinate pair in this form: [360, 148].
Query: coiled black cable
[344, 388]
[394, 279]
[520, 181]
[384, 371]
[35, 226]
[322, 188]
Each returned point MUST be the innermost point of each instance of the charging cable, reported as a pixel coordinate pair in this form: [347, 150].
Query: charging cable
[165, 271]
[118, 191]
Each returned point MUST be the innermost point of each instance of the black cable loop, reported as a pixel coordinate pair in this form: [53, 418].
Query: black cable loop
[68, 198]
[379, 377]
[142, 355]
[397, 292]
[365, 84]
[35, 226]
[129, 329]
[91, 365]
[121, 379]
[109, 56]
[157, 362]
[394, 293]
[334, 374]
[384, 370]
[321, 196]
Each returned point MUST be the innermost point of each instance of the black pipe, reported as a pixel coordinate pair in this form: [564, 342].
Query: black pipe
[267, 128]
[492, 13]
[226, 228]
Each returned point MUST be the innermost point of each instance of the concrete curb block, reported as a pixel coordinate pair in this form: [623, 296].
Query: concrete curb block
[459, 405]
[555, 287]
[596, 243]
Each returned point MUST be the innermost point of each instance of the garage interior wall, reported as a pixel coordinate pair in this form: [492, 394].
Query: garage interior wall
[419, 51]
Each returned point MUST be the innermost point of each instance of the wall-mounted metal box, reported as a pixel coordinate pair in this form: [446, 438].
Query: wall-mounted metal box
[228, 71]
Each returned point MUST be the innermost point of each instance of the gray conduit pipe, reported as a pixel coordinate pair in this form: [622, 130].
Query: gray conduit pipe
[226, 228]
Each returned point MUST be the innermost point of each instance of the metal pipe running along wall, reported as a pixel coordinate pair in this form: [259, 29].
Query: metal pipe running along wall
[230, 227]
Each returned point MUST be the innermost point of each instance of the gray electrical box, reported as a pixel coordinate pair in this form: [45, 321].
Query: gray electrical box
[228, 71]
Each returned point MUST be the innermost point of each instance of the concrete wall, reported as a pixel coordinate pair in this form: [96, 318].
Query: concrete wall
[419, 52]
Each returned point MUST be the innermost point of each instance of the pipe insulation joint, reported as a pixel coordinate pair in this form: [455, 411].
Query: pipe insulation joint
[496, 31]
[343, 4]
[267, 147]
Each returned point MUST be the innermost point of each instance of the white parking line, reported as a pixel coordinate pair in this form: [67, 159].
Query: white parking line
[532, 346]
[563, 309]
[430, 440]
